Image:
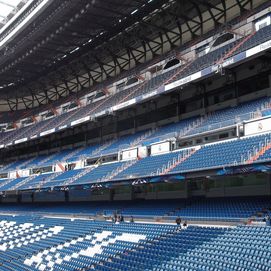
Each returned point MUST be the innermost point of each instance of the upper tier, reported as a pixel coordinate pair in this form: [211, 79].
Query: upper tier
[181, 74]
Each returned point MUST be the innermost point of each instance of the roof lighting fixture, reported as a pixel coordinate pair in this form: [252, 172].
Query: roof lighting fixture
[74, 50]
[134, 11]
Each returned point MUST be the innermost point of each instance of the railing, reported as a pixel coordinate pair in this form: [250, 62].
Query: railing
[2, 169]
[257, 151]
[25, 163]
[47, 180]
[71, 154]
[162, 137]
[6, 182]
[118, 170]
[185, 154]
[141, 138]
[79, 175]
[102, 147]
[191, 127]
[45, 160]
[28, 179]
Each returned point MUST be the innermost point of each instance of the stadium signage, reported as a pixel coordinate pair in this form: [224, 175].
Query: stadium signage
[160, 148]
[151, 94]
[161, 89]
[257, 49]
[129, 154]
[178, 83]
[123, 105]
[257, 126]
[48, 132]
[80, 121]
[228, 62]
[100, 114]
[148, 95]
[183, 81]
[62, 127]
[20, 140]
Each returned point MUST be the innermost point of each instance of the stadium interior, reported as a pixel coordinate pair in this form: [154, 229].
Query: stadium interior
[135, 135]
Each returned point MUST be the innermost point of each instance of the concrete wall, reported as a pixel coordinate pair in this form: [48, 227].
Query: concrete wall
[54, 196]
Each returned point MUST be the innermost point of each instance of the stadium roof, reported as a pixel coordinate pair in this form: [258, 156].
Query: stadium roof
[8, 8]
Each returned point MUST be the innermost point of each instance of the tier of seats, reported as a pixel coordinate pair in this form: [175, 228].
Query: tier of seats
[234, 152]
[46, 244]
